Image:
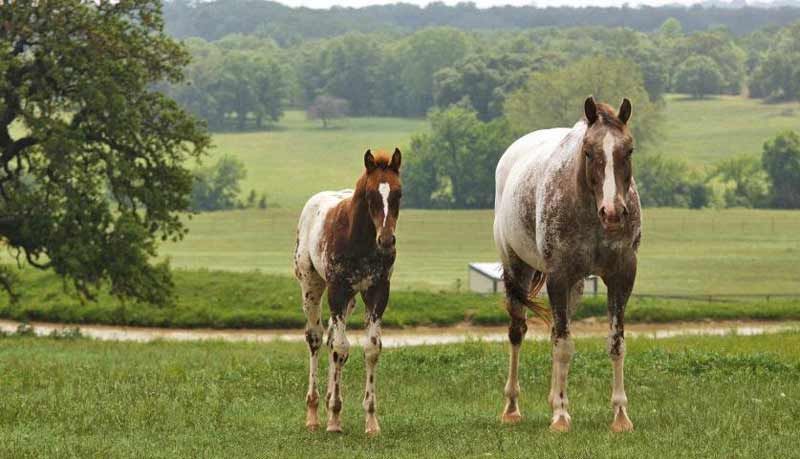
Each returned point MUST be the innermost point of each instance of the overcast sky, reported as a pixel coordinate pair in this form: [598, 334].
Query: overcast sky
[484, 3]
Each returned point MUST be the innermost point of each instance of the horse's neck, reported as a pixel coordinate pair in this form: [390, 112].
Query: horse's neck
[361, 231]
[581, 195]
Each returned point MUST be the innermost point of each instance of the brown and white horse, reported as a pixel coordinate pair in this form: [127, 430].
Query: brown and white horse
[566, 206]
[346, 243]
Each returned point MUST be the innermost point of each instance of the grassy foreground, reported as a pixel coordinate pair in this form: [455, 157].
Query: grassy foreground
[220, 299]
[689, 397]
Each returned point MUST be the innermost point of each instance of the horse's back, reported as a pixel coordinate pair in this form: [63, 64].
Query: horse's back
[533, 147]
[520, 171]
[311, 226]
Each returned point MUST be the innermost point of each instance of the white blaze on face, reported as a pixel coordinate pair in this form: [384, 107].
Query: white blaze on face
[609, 182]
[384, 189]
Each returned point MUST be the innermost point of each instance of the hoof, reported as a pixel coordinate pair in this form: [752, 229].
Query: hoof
[372, 428]
[312, 421]
[560, 425]
[312, 426]
[622, 424]
[511, 418]
[334, 427]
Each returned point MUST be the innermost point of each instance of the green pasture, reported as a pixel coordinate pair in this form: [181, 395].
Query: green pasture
[683, 251]
[704, 132]
[689, 397]
[299, 158]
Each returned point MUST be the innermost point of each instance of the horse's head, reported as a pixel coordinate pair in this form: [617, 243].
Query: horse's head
[606, 150]
[383, 191]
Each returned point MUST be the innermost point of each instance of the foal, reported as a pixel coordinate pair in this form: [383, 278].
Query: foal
[566, 206]
[346, 243]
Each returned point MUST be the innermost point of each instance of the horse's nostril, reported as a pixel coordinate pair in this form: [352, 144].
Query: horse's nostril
[602, 212]
[624, 211]
[393, 240]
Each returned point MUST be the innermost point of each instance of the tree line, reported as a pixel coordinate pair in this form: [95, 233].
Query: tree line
[243, 81]
[216, 19]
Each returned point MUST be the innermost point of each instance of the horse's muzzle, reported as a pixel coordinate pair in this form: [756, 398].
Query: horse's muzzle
[386, 242]
[613, 218]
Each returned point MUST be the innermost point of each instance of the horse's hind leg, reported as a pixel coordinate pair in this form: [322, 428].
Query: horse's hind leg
[341, 302]
[619, 290]
[564, 295]
[516, 279]
[312, 286]
[375, 300]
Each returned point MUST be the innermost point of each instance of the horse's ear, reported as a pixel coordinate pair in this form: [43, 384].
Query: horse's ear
[369, 161]
[624, 111]
[396, 158]
[590, 110]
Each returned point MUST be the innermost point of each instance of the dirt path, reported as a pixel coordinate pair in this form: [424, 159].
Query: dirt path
[413, 336]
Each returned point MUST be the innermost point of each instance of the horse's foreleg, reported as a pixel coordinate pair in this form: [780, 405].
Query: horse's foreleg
[516, 279]
[562, 295]
[619, 290]
[375, 299]
[339, 347]
[312, 288]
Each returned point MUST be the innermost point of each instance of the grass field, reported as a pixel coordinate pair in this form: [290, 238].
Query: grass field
[682, 252]
[689, 397]
[299, 158]
[704, 132]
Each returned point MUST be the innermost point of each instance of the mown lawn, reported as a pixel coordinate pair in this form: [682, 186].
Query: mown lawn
[219, 299]
[689, 397]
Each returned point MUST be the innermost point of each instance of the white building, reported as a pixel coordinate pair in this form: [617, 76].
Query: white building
[488, 278]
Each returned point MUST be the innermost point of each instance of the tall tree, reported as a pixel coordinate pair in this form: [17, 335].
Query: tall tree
[699, 76]
[453, 165]
[92, 158]
[778, 75]
[555, 98]
[781, 159]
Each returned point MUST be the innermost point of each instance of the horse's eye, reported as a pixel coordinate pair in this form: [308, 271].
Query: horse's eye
[629, 153]
[588, 154]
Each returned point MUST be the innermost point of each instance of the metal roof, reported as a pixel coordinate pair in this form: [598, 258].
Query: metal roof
[490, 270]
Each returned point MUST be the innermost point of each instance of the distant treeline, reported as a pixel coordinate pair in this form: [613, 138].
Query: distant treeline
[242, 80]
[216, 19]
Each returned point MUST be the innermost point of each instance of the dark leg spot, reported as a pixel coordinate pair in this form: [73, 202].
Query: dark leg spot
[371, 408]
[374, 341]
[516, 331]
[370, 379]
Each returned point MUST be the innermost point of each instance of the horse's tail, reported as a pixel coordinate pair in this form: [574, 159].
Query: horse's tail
[533, 303]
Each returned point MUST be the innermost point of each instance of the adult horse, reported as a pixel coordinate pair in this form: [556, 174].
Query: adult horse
[566, 206]
[346, 243]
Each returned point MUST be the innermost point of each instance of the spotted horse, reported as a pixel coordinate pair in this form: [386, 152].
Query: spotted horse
[346, 244]
[566, 206]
